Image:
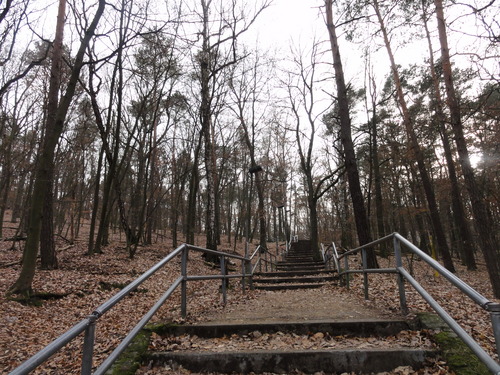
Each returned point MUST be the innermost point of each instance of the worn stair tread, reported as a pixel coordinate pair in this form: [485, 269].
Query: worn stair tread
[301, 265]
[294, 273]
[284, 361]
[358, 328]
[308, 279]
[288, 286]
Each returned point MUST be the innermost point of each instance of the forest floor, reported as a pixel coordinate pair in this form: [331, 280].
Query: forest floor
[82, 283]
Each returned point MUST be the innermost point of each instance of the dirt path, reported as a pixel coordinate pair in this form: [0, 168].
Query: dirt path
[326, 303]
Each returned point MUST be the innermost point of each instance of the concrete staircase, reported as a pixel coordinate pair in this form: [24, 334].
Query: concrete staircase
[299, 270]
[296, 331]
[290, 360]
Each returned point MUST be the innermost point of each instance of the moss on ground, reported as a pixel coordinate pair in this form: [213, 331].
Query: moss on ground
[458, 356]
[131, 359]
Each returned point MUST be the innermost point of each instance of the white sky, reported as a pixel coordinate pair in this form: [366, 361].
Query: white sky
[287, 20]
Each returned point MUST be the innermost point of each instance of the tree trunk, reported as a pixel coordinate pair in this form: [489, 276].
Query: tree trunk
[194, 184]
[47, 243]
[482, 222]
[362, 224]
[91, 248]
[208, 142]
[466, 242]
[377, 178]
[23, 284]
[313, 225]
[416, 151]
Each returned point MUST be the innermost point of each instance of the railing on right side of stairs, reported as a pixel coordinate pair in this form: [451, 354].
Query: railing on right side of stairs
[331, 255]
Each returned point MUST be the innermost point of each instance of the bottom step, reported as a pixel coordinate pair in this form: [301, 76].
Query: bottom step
[308, 361]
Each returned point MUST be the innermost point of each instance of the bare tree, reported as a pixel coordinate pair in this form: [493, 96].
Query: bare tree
[466, 242]
[480, 213]
[251, 101]
[24, 281]
[360, 215]
[415, 147]
[219, 38]
[303, 103]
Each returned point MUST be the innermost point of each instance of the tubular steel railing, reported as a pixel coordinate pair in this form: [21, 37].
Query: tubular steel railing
[87, 326]
[330, 256]
[491, 307]
[263, 257]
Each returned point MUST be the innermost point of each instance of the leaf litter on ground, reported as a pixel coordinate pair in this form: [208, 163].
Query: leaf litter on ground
[86, 282]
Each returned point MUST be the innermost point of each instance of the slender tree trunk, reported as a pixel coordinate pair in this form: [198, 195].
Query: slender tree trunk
[23, 284]
[208, 142]
[360, 217]
[6, 176]
[18, 201]
[194, 184]
[417, 151]
[466, 242]
[482, 222]
[95, 207]
[313, 225]
[377, 178]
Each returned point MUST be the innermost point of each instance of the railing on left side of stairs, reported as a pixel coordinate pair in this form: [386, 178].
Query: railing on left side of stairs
[263, 257]
[87, 326]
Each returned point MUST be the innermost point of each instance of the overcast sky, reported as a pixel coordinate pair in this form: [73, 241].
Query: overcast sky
[287, 20]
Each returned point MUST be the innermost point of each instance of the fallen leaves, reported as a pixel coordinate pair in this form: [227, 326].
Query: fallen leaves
[26, 329]
[290, 341]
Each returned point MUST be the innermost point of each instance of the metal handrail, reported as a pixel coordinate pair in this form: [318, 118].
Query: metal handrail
[329, 254]
[87, 325]
[491, 307]
[262, 250]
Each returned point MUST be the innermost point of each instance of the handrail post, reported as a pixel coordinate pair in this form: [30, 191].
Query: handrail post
[401, 282]
[243, 272]
[346, 266]
[88, 346]
[224, 278]
[184, 259]
[250, 280]
[365, 274]
[494, 309]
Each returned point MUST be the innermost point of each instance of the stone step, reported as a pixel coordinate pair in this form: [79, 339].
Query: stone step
[308, 361]
[304, 279]
[297, 261]
[292, 273]
[276, 287]
[298, 264]
[292, 267]
[300, 253]
[358, 328]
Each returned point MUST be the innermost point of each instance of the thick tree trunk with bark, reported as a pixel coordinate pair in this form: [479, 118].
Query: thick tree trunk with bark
[23, 284]
[47, 242]
[208, 142]
[482, 222]
[362, 224]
